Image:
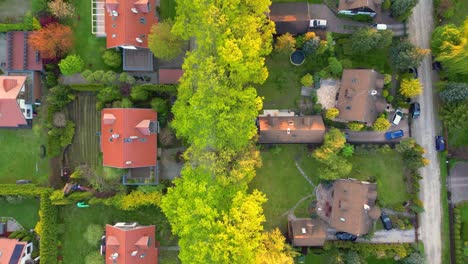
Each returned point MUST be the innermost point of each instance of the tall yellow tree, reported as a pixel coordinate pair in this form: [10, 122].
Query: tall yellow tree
[410, 87]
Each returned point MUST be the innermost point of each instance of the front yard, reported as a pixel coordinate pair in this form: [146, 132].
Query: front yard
[25, 212]
[73, 223]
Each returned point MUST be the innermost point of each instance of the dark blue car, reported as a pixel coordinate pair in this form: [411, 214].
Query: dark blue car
[394, 134]
[440, 143]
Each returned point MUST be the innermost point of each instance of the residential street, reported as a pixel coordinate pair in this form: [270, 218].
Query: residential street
[424, 130]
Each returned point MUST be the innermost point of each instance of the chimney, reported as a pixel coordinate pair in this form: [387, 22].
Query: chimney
[108, 119]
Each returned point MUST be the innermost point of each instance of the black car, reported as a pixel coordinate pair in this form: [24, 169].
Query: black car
[345, 236]
[387, 223]
[415, 110]
[413, 71]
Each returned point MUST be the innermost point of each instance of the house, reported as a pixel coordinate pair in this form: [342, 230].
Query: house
[359, 7]
[170, 76]
[127, 24]
[129, 141]
[13, 251]
[348, 205]
[282, 127]
[20, 58]
[359, 95]
[130, 243]
[306, 232]
[15, 111]
[290, 17]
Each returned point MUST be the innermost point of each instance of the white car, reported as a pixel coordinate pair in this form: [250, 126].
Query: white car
[397, 117]
[318, 23]
[380, 26]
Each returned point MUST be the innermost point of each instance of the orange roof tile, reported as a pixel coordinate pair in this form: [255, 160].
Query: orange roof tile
[129, 251]
[127, 20]
[7, 246]
[10, 111]
[123, 143]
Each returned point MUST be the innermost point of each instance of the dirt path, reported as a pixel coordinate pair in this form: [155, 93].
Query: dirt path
[303, 174]
[421, 25]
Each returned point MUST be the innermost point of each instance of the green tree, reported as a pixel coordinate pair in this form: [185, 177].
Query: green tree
[112, 58]
[108, 94]
[307, 80]
[71, 64]
[402, 9]
[335, 67]
[412, 153]
[355, 126]
[347, 151]
[404, 55]
[274, 249]
[410, 87]
[163, 43]
[124, 77]
[454, 92]
[381, 124]
[310, 46]
[352, 257]
[332, 113]
[441, 35]
[367, 39]
[93, 233]
[126, 103]
[285, 43]
[454, 55]
[139, 93]
[161, 106]
[454, 114]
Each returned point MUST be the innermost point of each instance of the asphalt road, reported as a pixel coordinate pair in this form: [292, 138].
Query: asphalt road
[424, 130]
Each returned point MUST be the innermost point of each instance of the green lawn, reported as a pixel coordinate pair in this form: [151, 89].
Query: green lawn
[21, 154]
[458, 136]
[26, 212]
[385, 168]
[74, 222]
[88, 46]
[282, 183]
[167, 9]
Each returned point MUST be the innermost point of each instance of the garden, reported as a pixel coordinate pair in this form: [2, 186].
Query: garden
[24, 210]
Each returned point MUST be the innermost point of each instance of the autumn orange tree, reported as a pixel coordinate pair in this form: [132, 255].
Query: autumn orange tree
[53, 41]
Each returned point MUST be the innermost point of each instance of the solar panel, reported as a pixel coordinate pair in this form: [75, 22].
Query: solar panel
[15, 257]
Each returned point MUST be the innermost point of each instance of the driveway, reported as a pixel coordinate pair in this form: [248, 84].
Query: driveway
[458, 182]
[378, 137]
[346, 26]
[382, 236]
[424, 130]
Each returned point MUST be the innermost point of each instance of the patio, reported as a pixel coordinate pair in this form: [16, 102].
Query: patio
[327, 92]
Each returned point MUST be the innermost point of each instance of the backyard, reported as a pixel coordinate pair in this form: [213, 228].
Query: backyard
[283, 184]
[22, 154]
[25, 212]
[88, 46]
[73, 223]
[167, 9]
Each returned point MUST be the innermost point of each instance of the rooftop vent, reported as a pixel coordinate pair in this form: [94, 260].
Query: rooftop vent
[126, 225]
[303, 230]
[134, 137]
[114, 13]
[139, 40]
[114, 256]
[114, 35]
[143, 255]
[342, 219]
[134, 10]
[115, 135]
[373, 92]
[128, 162]
[288, 131]
[366, 207]
[134, 253]
[291, 123]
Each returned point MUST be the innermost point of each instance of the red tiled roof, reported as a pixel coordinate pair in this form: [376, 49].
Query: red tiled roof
[19, 59]
[127, 26]
[170, 76]
[7, 246]
[10, 112]
[123, 143]
[127, 244]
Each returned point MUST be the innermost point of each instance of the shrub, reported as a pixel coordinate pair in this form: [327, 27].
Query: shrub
[139, 94]
[386, 4]
[71, 64]
[381, 124]
[332, 113]
[142, 197]
[355, 126]
[126, 103]
[307, 80]
[389, 98]
[93, 233]
[410, 87]
[384, 93]
[126, 78]
[387, 79]
[113, 174]
[59, 96]
[285, 43]
[108, 94]
[112, 58]
[61, 9]
[46, 228]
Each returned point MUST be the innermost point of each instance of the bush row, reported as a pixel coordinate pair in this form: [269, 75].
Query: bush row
[377, 250]
[87, 87]
[46, 228]
[459, 243]
[27, 190]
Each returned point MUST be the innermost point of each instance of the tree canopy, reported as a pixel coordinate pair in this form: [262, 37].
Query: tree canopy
[163, 43]
[71, 64]
[454, 92]
[453, 49]
[53, 41]
[405, 55]
[410, 87]
[366, 39]
[402, 9]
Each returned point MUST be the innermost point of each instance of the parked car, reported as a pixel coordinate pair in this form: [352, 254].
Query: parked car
[103, 245]
[415, 110]
[318, 23]
[387, 223]
[414, 72]
[380, 26]
[397, 117]
[436, 65]
[439, 143]
[394, 134]
[345, 236]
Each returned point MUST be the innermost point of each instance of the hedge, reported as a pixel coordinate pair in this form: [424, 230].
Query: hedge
[163, 88]
[28, 24]
[457, 231]
[85, 87]
[377, 250]
[27, 190]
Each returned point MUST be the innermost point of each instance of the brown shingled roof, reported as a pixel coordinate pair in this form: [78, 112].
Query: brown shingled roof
[356, 100]
[355, 4]
[291, 129]
[351, 206]
[306, 232]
